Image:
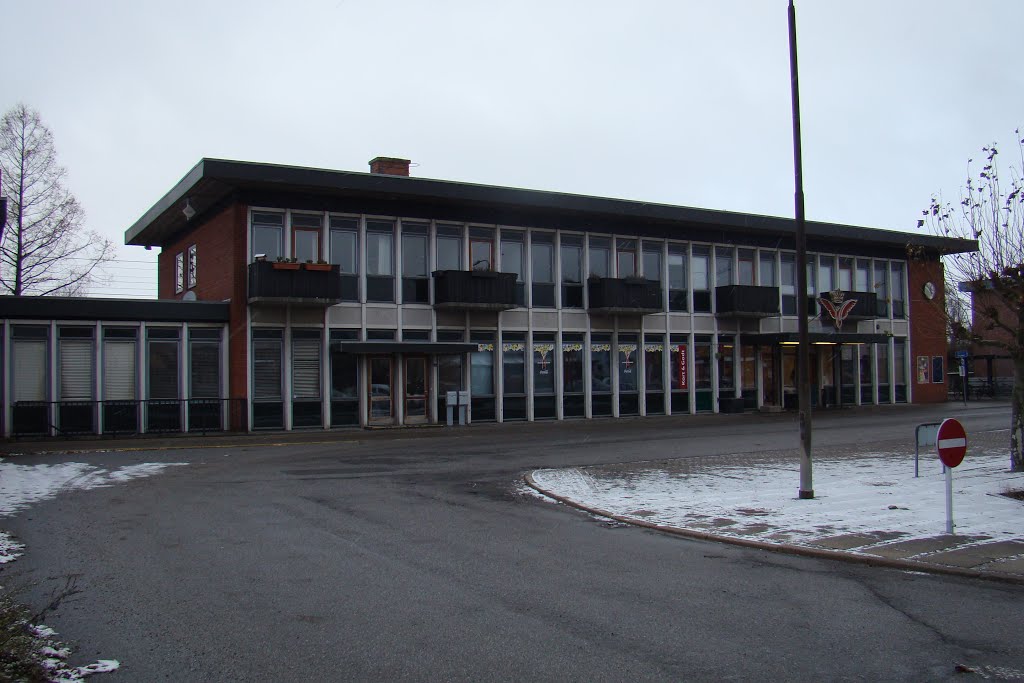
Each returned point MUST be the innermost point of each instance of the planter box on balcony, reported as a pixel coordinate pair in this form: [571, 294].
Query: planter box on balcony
[624, 295]
[270, 284]
[482, 290]
[866, 308]
[746, 301]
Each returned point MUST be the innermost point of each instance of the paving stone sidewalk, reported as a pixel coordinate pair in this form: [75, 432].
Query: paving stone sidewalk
[712, 491]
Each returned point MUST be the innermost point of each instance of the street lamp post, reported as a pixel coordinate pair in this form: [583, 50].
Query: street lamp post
[803, 348]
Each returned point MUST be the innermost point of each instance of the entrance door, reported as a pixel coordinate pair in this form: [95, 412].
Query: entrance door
[415, 389]
[380, 393]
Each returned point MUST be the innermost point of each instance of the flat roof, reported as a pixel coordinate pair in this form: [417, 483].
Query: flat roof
[212, 181]
[117, 310]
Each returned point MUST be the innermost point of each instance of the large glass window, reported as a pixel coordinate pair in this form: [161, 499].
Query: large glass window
[572, 271]
[267, 407]
[306, 406]
[30, 366]
[881, 286]
[654, 365]
[120, 359]
[825, 268]
[512, 261]
[542, 256]
[704, 393]
[482, 376]
[449, 247]
[882, 365]
[306, 230]
[573, 386]
[204, 405]
[481, 248]
[845, 273]
[862, 281]
[625, 257]
[380, 265]
[898, 309]
[723, 266]
[787, 275]
[449, 372]
[163, 408]
[628, 359]
[899, 364]
[766, 269]
[652, 260]
[75, 412]
[344, 380]
[678, 288]
[746, 266]
[513, 374]
[679, 373]
[267, 235]
[700, 277]
[866, 375]
[600, 257]
[726, 366]
[415, 285]
[345, 253]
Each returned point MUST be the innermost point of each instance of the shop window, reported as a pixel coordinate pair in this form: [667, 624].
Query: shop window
[599, 255]
[345, 253]
[75, 411]
[344, 380]
[654, 383]
[204, 405]
[601, 375]
[571, 251]
[449, 372]
[573, 379]
[449, 247]
[703, 391]
[542, 258]
[306, 229]
[726, 356]
[899, 365]
[679, 373]
[867, 391]
[848, 374]
[380, 261]
[513, 374]
[481, 248]
[30, 366]
[625, 257]
[748, 376]
[481, 368]
[543, 355]
[629, 370]
[267, 235]
[415, 282]
[700, 279]
[882, 367]
[678, 290]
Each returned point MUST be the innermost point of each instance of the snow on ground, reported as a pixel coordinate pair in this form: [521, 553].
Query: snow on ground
[872, 492]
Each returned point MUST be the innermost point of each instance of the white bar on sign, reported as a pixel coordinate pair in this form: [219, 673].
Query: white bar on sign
[952, 443]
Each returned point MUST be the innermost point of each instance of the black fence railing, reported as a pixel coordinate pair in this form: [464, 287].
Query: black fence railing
[154, 416]
[746, 301]
[304, 283]
[624, 295]
[474, 290]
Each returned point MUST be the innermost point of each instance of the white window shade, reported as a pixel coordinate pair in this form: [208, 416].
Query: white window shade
[30, 370]
[266, 369]
[119, 371]
[306, 368]
[76, 369]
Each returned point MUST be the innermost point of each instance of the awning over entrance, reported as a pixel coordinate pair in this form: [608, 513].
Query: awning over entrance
[429, 348]
[788, 338]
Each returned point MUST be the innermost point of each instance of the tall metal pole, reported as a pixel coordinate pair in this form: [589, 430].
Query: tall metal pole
[803, 349]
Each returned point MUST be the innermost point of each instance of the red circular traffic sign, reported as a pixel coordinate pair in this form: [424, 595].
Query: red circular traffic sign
[951, 442]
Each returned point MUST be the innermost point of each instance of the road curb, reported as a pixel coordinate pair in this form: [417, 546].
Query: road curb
[789, 549]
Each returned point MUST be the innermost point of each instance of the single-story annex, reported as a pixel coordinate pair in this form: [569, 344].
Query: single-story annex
[302, 298]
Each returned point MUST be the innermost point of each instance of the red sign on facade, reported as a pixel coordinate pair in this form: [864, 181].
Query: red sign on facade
[682, 368]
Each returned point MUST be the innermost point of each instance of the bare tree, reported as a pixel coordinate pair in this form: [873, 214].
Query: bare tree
[991, 211]
[44, 248]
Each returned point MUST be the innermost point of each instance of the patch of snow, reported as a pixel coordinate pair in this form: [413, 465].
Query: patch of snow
[10, 549]
[875, 492]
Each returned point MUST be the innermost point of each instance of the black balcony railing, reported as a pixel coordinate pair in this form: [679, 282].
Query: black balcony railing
[70, 418]
[865, 308]
[272, 282]
[746, 301]
[474, 289]
[624, 295]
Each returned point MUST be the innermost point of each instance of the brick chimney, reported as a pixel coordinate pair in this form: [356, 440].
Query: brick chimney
[389, 166]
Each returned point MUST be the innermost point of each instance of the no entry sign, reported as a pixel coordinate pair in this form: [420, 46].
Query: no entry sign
[951, 442]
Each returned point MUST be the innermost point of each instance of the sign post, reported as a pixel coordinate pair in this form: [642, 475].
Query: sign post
[951, 444]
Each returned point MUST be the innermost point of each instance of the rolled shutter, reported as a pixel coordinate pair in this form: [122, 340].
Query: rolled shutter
[205, 362]
[266, 369]
[119, 371]
[306, 368]
[30, 370]
[163, 369]
[76, 369]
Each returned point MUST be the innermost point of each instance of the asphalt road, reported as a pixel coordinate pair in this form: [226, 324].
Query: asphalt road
[410, 555]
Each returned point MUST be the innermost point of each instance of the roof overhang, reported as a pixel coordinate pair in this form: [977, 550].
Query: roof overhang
[121, 310]
[212, 181]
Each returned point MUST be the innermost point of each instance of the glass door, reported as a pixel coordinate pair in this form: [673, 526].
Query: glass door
[381, 411]
[415, 389]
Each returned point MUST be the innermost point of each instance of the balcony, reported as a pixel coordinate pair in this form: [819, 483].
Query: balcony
[624, 295]
[865, 309]
[275, 283]
[746, 301]
[477, 290]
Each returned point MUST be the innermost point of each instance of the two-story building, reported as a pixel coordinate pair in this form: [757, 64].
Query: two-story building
[362, 299]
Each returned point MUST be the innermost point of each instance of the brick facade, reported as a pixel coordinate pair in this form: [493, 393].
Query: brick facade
[927, 328]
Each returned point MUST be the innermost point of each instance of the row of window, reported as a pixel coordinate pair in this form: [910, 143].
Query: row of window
[531, 255]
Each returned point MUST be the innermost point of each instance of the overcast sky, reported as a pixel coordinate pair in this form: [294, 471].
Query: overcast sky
[679, 102]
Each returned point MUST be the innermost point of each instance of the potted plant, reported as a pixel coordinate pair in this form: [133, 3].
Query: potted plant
[283, 263]
[319, 265]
